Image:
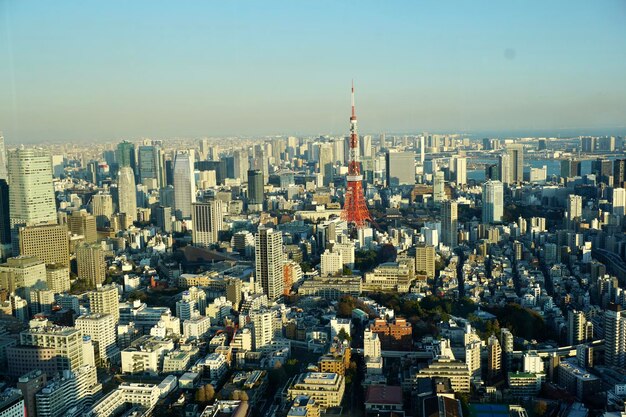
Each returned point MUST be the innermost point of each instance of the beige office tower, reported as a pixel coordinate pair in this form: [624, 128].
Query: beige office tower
[268, 249]
[516, 162]
[83, 223]
[425, 260]
[494, 357]
[233, 292]
[31, 192]
[127, 195]
[439, 187]
[449, 223]
[101, 329]
[66, 341]
[50, 243]
[105, 300]
[22, 272]
[91, 264]
[102, 209]
[206, 219]
[58, 278]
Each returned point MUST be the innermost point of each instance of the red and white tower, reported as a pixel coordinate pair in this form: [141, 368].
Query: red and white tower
[354, 209]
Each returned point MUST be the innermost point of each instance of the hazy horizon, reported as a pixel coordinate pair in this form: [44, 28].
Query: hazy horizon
[80, 71]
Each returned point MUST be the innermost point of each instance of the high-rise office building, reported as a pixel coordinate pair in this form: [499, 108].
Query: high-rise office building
[184, 184]
[207, 222]
[82, 223]
[67, 343]
[151, 164]
[619, 201]
[4, 173]
[619, 173]
[400, 168]
[58, 278]
[163, 218]
[425, 260]
[449, 223]
[105, 300]
[576, 327]
[22, 272]
[493, 202]
[255, 190]
[603, 169]
[91, 264]
[326, 163]
[458, 166]
[241, 164]
[516, 163]
[5, 220]
[574, 207]
[125, 155]
[233, 292]
[614, 336]
[570, 168]
[504, 167]
[268, 248]
[439, 187]
[127, 194]
[31, 193]
[101, 329]
[49, 243]
[102, 209]
[494, 357]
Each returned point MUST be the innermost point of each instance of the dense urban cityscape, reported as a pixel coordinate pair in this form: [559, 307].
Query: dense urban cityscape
[372, 275]
[312, 209]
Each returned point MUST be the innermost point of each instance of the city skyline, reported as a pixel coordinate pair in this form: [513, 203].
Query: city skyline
[232, 69]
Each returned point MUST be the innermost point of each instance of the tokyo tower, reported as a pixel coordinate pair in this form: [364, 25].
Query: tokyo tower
[355, 210]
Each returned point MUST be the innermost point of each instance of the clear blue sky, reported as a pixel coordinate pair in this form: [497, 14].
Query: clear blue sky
[97, 70]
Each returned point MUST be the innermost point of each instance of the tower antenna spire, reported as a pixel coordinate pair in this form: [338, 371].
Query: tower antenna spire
[355, 210]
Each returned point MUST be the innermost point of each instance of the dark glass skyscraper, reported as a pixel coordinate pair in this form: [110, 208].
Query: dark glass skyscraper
[255, 189]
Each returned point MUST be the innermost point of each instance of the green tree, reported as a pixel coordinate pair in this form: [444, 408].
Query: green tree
[342, 335]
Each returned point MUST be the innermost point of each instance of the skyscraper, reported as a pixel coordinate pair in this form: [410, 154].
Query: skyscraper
[184, 184]
[504, 167]
[207, 222]
[255, 190]
[4, 174]
[5, 221]
[268, 248]
[125, 155]
[400, 168]
[439, 187]
[425, 259]
[91, 264]
[516, 162]
[102, 209]
[493, 202]
[619, 201]
[241, 165]
[151, 161]
[105, 300]
[127, 193]
[458, 165]
[31, 193]
[449, 223]
[48, 242]
[82, 223]
[574, 207]
[325, 162]
[614, 335]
